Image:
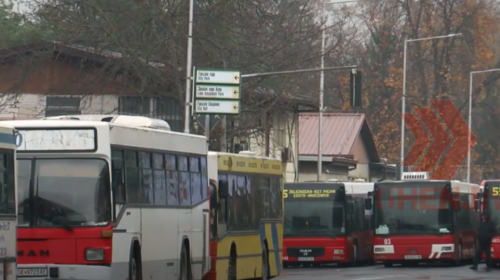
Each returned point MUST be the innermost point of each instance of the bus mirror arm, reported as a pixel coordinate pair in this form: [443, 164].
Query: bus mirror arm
[477, 203]
[223, 189]
[368, 204]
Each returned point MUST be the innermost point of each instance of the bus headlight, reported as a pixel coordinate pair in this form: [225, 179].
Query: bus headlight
[93, 254]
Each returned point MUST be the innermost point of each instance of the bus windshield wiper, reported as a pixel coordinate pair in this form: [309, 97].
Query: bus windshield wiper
[64, 223]
[58, 215]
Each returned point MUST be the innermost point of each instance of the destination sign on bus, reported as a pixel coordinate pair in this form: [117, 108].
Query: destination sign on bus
[56, 139]
[307, 193]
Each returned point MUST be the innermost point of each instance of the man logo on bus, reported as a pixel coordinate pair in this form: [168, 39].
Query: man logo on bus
[438, 130]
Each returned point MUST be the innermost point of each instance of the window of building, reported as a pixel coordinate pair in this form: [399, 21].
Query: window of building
[134, 105]
[61, 105]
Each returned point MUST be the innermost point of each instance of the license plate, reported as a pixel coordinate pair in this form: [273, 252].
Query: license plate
[305, 259]
[413, 257]
[31, 272]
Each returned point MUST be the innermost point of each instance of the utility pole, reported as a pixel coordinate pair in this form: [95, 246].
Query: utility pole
[189, 69]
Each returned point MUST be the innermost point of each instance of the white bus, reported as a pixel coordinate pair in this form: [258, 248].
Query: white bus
[8, 205]
[111, 197]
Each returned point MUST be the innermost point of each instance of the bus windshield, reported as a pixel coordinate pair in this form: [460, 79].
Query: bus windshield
[493, 203]
[411, 210]
[63, 192]
[316, 215]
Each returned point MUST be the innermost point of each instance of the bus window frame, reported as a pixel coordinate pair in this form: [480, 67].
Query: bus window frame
[10, 159]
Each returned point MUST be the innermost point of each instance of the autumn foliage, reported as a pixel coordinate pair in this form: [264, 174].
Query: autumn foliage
[436, 69]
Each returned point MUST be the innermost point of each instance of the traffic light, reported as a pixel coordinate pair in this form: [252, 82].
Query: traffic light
[355, 91]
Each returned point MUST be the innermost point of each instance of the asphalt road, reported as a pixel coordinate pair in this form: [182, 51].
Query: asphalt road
[378, 272]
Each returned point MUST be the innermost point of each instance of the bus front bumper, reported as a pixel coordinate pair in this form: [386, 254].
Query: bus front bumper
[431, 252]
[330, 255]
[63, 272]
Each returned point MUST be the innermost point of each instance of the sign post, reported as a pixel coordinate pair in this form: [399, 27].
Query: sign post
[217, 91]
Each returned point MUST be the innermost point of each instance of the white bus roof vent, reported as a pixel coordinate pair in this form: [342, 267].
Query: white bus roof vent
[359, 180]
[333, 180]
[249, 153]
[137, 121]
[408, 176]
[134, 121]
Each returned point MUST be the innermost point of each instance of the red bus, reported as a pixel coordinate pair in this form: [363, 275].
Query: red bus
[422, 220]
[326, 222]
[491, 204]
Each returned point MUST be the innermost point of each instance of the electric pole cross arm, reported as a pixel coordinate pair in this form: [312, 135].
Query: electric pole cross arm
[298, 71]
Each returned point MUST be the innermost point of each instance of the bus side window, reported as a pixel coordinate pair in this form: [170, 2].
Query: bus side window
[222, 211]
[213, 211]
[117, 176]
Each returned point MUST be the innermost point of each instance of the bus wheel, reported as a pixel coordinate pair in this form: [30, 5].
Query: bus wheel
[231, 269]
[184, 270]
[265, 265]
[133, 271]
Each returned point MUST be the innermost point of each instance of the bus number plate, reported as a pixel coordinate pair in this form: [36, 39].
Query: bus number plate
[413, 257]
[305, 259]
[31, 272]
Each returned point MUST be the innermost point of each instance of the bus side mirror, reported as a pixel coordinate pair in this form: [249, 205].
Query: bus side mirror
[477, 203]
[223, 189]
[368, 204]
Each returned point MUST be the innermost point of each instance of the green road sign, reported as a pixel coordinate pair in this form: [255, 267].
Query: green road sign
[213, 76]
[217, 92]
[214, 106]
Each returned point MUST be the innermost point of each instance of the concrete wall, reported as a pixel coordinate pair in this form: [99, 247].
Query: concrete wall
[28, 106]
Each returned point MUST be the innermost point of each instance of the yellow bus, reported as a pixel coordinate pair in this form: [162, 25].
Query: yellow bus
[246, 216]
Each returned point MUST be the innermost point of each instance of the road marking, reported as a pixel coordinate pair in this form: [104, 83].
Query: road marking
[376, 278]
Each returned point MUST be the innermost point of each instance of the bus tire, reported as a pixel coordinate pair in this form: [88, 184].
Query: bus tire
[184, 268]
[265, 264]
[459, 259]
[231, 266]
[134, 266]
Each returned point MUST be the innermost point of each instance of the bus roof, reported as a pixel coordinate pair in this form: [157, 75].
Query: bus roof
[126, 135]
[53, 123]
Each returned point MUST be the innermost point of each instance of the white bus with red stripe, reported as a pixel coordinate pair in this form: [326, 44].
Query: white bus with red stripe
[111, 197]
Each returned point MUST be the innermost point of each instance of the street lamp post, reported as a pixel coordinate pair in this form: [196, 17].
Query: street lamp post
[403, 100]
[322, 87]
[471, 76]
[189, 68]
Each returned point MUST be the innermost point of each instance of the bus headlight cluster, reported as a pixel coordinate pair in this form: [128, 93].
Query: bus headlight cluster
[93, 254]
[447, 249]
[338, 251]
[379, 250]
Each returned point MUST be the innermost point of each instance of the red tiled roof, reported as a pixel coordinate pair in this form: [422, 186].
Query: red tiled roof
[340, 131]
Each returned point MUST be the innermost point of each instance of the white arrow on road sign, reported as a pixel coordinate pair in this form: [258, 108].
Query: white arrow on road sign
[217, 92]
[227, 107]
[206, 76]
